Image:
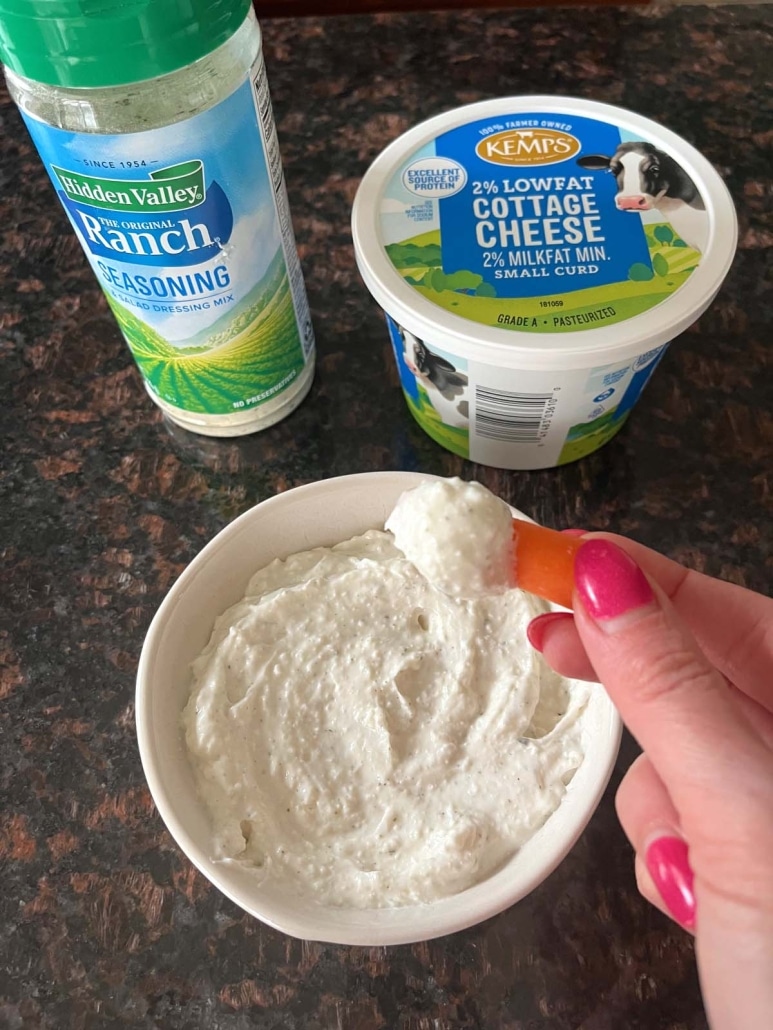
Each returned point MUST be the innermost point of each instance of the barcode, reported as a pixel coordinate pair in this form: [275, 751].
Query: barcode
[515, 417]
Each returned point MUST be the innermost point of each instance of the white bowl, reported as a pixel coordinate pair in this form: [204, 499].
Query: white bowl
[320, 514]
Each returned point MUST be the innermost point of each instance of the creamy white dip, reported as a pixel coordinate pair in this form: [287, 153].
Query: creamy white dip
[458, 535]
[361, 737]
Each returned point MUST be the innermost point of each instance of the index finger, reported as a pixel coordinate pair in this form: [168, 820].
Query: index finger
[675, 702]
[733, 626]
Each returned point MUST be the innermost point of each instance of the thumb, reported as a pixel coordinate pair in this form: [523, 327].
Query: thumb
[677, 705]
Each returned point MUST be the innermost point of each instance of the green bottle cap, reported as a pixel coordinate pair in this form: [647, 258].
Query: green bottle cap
[111, 42]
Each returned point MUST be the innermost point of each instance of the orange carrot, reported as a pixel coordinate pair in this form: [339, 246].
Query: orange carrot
[544, 561]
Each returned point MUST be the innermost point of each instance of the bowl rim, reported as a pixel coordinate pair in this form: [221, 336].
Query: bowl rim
[434, 919]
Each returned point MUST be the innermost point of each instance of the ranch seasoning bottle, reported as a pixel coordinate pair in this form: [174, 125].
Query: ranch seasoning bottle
[154, 122]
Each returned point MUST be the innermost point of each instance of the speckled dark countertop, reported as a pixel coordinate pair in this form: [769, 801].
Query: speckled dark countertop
[103, 922]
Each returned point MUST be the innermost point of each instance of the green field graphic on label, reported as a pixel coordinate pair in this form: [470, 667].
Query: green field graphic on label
[250, 354]
[587, 437]
[419, 261]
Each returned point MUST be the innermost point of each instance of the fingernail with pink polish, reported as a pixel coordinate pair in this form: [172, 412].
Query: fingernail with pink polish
[609, 582]
[668, 864]
[537, 628]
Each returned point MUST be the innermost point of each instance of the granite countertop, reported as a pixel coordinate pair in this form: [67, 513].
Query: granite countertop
[103, 921]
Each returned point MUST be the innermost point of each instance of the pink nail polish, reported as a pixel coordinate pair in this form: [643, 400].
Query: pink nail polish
[608, 581]
[668, 864]
[535, 631]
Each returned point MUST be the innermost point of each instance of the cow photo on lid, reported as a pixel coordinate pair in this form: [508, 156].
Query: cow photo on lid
[648, 179]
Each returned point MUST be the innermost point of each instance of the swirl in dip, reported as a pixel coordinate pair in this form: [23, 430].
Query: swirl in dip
[362, 737]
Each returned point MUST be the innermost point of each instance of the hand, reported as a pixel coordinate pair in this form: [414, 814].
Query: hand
[688, 661]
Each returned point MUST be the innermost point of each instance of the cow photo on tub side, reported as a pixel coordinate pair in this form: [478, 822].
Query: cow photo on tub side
[445, 386]
[648, 179]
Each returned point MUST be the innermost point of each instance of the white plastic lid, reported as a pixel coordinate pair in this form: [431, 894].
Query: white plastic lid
[555, 225]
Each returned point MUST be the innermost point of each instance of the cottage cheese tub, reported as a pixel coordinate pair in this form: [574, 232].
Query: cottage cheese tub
[534, 256]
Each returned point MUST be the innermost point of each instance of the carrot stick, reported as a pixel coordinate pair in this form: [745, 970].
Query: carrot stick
[544, 561]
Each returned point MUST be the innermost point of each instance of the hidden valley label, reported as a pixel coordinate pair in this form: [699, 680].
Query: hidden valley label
[543, 223]
[188, 232]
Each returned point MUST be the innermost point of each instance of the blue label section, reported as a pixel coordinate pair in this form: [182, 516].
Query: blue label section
[173, 238]
[182, 267]
[643, 368]
[532, 228]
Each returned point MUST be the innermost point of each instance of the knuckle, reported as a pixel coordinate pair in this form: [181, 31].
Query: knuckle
[731, 838]
[728, 868]
[673, 670]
